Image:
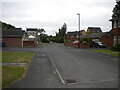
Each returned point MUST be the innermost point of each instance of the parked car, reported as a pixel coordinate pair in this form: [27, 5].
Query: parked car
[76, 42]
[2, 44]
[99, 44]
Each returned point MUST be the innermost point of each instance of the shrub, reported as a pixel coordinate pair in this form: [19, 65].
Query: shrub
[116, 47]
[44, 40]
[84, 42]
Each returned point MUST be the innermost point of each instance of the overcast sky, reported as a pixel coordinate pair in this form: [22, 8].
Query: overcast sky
[52, 14]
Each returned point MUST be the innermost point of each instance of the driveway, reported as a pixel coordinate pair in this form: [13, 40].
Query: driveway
[58, 66]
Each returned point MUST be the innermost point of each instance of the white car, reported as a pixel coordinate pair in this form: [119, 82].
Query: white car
[76, 42]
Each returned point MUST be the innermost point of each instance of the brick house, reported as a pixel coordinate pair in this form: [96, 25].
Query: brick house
[94, 30]
[32, 32]
[107, 39]
[114, 35]
[115, 30]
[74, 35]
[13, 37]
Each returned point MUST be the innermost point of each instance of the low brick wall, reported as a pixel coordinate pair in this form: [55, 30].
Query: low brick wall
[76, 46]
[29, 43]
[84, 45]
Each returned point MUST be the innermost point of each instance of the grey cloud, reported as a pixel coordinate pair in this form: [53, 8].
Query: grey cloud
[15, 14]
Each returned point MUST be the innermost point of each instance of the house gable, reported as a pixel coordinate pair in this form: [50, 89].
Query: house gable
[94, 30]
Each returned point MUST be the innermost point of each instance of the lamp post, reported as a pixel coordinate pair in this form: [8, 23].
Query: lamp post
[78, 29]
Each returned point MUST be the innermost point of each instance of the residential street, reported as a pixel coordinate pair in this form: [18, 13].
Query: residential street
[55, 64]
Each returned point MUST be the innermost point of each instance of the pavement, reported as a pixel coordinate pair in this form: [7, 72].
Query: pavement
[59, 66]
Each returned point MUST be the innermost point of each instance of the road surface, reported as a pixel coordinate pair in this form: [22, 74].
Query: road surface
[59, 66]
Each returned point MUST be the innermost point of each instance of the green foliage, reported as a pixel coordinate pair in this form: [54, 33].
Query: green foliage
[88, 32]
[41, 30]
[60, 36]
[5, 26]
[44, 38]
[116, 10]
[84, 40]
[116, 47]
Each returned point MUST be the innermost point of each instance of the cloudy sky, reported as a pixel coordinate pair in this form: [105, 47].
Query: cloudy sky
[52, 14]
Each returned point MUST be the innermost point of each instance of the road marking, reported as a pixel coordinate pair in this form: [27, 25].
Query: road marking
[57, 70]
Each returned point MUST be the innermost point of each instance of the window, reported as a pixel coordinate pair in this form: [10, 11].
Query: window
[77, 36]
[115, 37]
[115, 40]
[119, 23]
[119, 39]
[115, 24]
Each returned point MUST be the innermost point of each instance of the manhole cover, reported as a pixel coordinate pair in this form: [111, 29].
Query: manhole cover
[68, 81]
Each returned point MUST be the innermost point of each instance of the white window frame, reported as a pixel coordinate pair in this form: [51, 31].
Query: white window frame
[119, 39]
[119, 23]
[115, 40]
[115, 24]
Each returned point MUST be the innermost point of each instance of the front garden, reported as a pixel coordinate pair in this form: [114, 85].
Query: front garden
[14, 66]
[107, 52]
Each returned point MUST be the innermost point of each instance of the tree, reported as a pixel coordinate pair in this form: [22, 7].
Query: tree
[61, 34]
[5, 26]
[41, 30]
[44, 38]
[116, 11]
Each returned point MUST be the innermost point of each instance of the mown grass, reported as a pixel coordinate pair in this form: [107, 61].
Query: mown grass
[43, 43]
[10, 74]
[117, 54]
[108, 52]
[100, 50]
[0, 57]
[0, 76]
[16, 57]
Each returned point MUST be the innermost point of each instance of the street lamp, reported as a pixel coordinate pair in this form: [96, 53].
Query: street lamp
[78, 29]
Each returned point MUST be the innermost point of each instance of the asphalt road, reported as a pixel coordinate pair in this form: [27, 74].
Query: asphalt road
[58, 66]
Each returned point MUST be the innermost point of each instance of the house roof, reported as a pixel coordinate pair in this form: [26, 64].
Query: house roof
[94, 29]
[15, 32]
[95, 35]
[31, 29]
[74, 33]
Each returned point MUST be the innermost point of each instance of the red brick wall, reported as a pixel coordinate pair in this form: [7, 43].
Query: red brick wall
[13, 42]
[108, 40]
[71, 38]
[116, 31]
[84, 45]
[81, 45]
[29, 43]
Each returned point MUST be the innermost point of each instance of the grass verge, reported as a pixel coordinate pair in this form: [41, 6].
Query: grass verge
[16, 57]
[10, 74]
[43, 43]
[13, 73]
[107, 52]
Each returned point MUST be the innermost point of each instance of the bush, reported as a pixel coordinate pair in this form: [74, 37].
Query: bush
[44, 40]
[84, 42]
[116, 47]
